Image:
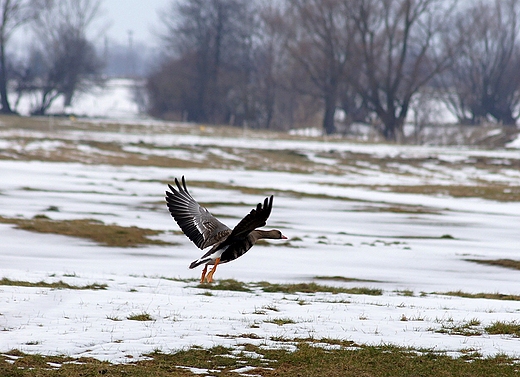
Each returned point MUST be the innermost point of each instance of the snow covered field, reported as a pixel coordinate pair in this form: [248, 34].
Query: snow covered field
[334, 200]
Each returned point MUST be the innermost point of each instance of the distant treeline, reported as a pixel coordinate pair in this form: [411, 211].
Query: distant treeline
[285, 63]
[60, 59]
[277, 64]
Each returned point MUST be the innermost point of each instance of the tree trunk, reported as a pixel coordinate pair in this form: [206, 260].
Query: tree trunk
[328, 121]
[508, 120]
[328, 118]
[392, 127]
[47, 99]
[6, 109]
[213, 93]
[504, 116]
[389, 131]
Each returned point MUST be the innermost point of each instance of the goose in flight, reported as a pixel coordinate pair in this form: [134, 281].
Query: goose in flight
[201, 227]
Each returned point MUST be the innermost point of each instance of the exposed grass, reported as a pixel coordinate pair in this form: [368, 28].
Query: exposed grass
[182, 280]
[473, 328]
[318, 341]
[56, 285]
[271, 307]
[492, 296]
[405, 292]
[280, 321]
[314, 288]
[498, 192]
[403, 237]
[404, 318]
[114, 318]
[467, 328]
[288, 160]
[240, 336]
[508, 263]
[259, 191]
[226, 285]
[142, 154]
[345, 279]
[406, 209]
[140, 317]
[309, 359]
[234, 285]
[508, 328]
[95, 230]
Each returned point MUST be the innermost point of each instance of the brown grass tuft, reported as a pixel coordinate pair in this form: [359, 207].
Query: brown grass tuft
[508, 263]
[95, 230]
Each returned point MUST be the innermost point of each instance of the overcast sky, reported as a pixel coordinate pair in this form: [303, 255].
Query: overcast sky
[139, 16]
[117, 17]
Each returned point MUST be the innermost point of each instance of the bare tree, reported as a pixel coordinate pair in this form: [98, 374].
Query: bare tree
[274, 76]
[214, 38]
[228, 63]
[170, 91]
[268, 56]
[14, 13]
[485, 78]
[503, 105]
[318, 42]
[397, 49]
[69, 62]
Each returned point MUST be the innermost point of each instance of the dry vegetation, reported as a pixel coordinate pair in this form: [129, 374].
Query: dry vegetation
[312, 357]
[491, 296]
[63, 133]
[313, 288]
[95, 230]
[496, 191]
[485, 190]
[345, 279]
[234, 285]
[508, 263]
[55, 285]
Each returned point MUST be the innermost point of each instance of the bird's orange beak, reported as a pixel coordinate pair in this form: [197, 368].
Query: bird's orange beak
[283, 237]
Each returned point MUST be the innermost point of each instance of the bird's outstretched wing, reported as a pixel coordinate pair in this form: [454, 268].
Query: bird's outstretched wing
[255, 219]
[195, 221]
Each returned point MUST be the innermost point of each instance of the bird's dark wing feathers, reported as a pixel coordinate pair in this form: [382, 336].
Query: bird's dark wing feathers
[195, 221]
[255, 219]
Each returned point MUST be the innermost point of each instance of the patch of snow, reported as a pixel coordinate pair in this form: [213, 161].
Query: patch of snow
[198, 370]
[321, 160]
[349, 233]
[314, 132]
[494, 132]
[47, 145]
[515, 144]
[113, 100]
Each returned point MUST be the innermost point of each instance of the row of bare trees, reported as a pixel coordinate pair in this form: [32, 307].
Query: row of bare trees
[274, 64]
[60, 60]
[484, 78]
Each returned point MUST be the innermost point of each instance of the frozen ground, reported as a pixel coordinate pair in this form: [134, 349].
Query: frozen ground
[412, 246]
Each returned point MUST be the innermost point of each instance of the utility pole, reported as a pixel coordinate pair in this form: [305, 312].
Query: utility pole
[131, 57]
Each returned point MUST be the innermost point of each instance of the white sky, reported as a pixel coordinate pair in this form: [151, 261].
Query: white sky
[140, 16]
[117, 17]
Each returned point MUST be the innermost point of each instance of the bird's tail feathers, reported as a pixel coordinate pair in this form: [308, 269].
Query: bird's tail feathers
[198, 262]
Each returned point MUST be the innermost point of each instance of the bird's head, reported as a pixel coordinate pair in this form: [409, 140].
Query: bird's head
[279, 235]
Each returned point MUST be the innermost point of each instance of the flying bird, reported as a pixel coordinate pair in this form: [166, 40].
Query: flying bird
[201, 227]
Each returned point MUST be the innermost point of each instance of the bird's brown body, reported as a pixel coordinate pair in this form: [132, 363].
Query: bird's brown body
[205, 230]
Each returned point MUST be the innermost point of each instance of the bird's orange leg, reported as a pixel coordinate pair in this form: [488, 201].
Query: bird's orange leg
[209, 278]
[203, 274]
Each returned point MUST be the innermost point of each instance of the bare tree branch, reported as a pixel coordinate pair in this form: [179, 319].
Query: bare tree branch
[399, 33]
